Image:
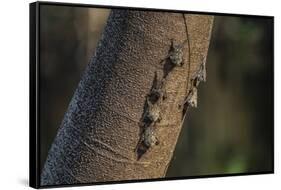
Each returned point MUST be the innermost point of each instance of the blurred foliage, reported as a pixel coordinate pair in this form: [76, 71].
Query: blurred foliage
[68, 37]
[231, 131]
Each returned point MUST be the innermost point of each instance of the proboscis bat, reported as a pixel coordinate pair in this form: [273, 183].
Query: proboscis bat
[157, 93]
[153, 112]
[201, 74]
[176, 53]
[148, 139]
[192, 97]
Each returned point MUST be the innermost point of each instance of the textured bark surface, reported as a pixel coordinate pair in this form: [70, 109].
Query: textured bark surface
[100, 131]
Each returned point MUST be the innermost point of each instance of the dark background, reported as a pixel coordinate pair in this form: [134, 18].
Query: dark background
[231, 131]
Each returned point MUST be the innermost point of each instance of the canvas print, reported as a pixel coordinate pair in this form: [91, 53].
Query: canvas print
[121, 94]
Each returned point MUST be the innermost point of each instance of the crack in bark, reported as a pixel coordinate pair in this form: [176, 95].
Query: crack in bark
[113, 158]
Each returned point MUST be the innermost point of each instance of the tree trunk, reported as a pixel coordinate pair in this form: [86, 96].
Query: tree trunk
[100, 136]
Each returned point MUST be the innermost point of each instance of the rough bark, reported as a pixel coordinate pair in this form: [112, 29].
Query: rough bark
[100, 131]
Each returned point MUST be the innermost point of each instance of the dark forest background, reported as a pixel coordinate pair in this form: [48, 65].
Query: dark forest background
[231, 131]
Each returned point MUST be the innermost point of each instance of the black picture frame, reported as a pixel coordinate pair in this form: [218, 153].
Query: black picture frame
[34, 97]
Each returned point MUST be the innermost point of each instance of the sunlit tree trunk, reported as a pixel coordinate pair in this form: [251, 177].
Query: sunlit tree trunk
[101, 129]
